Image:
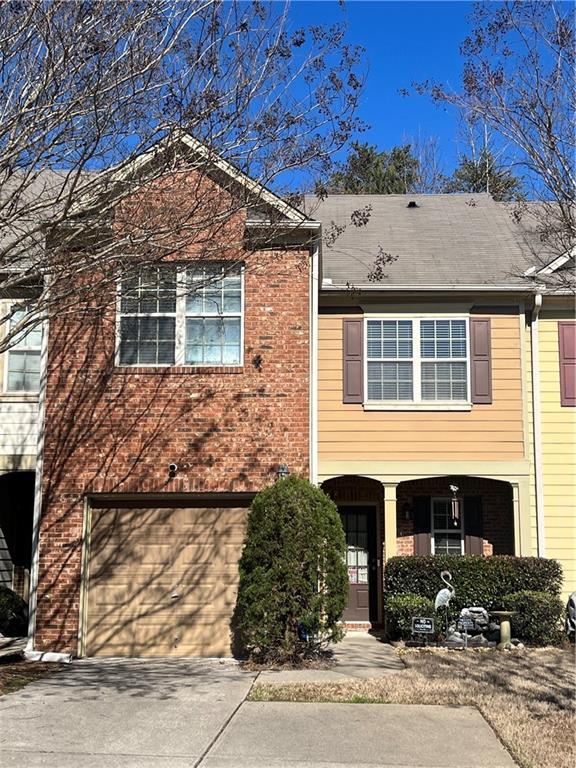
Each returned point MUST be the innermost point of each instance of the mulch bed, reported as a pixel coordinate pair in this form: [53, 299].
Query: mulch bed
[15, 672]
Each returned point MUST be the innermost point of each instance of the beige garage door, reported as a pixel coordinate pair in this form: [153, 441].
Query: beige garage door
[163, 581]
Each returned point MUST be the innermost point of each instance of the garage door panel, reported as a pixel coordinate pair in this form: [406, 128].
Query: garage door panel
[163, 581]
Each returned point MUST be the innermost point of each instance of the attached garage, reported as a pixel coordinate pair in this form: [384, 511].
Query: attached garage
[162, 580]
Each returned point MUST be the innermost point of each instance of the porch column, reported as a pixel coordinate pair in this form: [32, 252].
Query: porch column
[390, 531]
[521, 505]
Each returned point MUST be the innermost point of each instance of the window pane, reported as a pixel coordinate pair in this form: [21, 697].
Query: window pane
[443, 338]
[152, 291]
[23, 371]
[362, 575]
[444, 381]
[147, 340]
[231, 330]
[390, 381]
[389, 338]
[232, 302]
[213, 341]
[447, 544]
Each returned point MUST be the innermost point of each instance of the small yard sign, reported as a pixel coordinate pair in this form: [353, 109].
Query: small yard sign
[422, 626]
[465, 624]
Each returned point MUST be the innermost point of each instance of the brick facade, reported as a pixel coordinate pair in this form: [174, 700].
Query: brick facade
[116, 430]
[497, 512]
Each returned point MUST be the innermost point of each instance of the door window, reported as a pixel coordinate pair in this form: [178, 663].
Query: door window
[356, 529]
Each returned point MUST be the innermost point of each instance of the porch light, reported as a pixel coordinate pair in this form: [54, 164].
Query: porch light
[282, 471]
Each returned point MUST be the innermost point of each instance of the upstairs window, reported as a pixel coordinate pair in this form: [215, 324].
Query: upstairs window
[182, 315]
[23, 357]
[417, 361]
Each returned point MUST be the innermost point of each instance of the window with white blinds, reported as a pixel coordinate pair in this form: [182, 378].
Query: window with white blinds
[417, 360]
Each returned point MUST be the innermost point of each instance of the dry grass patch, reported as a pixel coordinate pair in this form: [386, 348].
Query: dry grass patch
[526, 696]
[15, 674]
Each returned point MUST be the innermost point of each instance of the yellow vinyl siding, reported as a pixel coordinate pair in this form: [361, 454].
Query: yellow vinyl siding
[487, 432]
[558, 426]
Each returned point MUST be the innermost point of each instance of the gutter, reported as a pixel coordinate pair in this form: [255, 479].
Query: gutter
[385, 288]
[314, 291]
[537, 425]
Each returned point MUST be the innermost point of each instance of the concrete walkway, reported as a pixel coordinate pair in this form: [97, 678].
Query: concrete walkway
[290, 735]
[359, 655]
[168, 713]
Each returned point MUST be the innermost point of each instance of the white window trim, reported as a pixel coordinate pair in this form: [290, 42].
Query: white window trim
[180, 330]
[15, 348]
[417, 404]
[434, 530]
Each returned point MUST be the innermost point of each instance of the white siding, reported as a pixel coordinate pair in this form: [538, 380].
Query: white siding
[18, 427]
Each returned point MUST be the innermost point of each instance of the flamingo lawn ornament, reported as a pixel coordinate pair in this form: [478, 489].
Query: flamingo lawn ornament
[445, 595]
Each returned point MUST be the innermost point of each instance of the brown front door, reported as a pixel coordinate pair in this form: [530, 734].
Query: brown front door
[359, 525]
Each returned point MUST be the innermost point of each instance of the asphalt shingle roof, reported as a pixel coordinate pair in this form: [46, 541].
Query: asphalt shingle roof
[446, 240]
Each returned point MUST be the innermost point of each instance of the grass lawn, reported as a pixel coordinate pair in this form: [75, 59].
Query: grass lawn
[15, 674]
[527, 696]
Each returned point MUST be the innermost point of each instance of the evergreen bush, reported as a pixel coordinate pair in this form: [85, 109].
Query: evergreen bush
[477, 580]
[401, 609]
[293, 580]
[13, 614]
[538, 617]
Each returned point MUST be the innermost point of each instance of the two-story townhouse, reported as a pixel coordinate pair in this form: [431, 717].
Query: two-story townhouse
[170, 400]
[424, 426]
[408, 395]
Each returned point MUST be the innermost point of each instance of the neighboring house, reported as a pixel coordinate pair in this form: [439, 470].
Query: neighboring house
[551, 394]
[165, 413]
[425, 431]
[19, 385]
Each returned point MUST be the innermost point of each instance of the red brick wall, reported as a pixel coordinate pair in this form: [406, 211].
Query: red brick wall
[116, 430]
[498, 517]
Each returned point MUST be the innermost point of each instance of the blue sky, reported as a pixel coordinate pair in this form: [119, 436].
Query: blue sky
[405, 41]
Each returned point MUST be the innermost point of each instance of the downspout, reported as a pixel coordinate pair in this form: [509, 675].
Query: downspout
[33, 597]
[29, 651]
[314, 287]
[537, 425]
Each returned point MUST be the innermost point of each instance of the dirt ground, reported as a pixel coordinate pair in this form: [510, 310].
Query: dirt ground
[15, 673]
[527, 696]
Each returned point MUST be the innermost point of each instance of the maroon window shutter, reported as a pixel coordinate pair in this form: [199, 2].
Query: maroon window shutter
[567, 340]
[352, 362]
[422, 525]
[480, 360]
[473, 533]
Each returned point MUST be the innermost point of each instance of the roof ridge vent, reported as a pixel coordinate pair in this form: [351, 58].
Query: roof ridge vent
[412, 204]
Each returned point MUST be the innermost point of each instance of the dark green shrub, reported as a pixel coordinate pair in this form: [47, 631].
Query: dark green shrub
[477, 580]
[401, 609]
[538, 617]
[13, 614]
[292, 573]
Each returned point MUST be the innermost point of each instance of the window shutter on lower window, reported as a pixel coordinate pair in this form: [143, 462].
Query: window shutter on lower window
[473, 534]
[352, 361]
[567, 342]
[422, 525]
[480, 360]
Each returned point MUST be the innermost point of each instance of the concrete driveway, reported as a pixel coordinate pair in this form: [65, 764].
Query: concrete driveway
[121, 712]
[143, 713]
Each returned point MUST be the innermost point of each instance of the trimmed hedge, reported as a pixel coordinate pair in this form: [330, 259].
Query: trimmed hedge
[401, 609]
[477, 580]
[538, 617]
